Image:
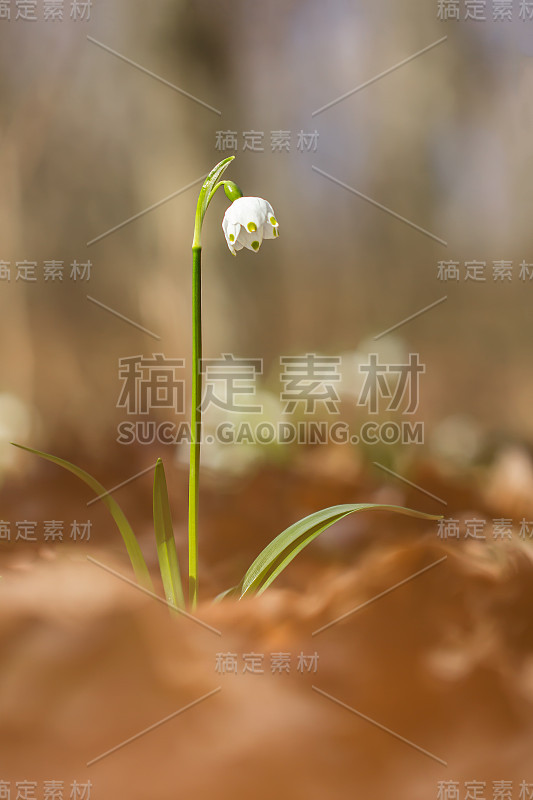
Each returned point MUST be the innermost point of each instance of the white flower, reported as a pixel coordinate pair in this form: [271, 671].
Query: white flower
[247, 222]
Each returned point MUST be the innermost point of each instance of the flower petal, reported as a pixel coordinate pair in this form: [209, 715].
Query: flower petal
[250, 210]
[231, 232]
[269, 231]
[251, 240]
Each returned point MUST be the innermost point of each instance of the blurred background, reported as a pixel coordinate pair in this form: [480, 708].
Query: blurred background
[89, 141]
[402, 197]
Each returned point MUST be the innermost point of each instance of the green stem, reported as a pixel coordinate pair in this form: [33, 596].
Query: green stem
[209, 187]
[196, 421]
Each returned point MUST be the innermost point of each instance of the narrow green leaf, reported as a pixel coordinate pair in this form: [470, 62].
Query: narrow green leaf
[132, 546]
[281, 550]
[233, 592]
[164, 537]
[206, 192]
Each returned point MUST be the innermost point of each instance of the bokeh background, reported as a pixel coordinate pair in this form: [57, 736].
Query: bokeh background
[89, 141]
[95, 159]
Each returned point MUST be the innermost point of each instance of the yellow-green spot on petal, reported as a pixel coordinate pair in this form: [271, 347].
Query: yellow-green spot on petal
[231, 237]
[255, 245]
[273, 221]
[252, 227]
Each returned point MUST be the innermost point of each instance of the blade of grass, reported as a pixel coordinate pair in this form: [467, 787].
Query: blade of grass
[234, 591]
[285, 547]
[164, 537]
[132, 546]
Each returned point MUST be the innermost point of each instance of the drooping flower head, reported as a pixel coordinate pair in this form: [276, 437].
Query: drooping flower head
[247, 222]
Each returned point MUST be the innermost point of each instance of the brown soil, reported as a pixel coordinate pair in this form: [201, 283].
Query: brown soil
[444, 662]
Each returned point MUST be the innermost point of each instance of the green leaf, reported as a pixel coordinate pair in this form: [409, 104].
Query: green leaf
[234, 591]
[132, 546]
[164, 537]
[281, 550]
[207, 190]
